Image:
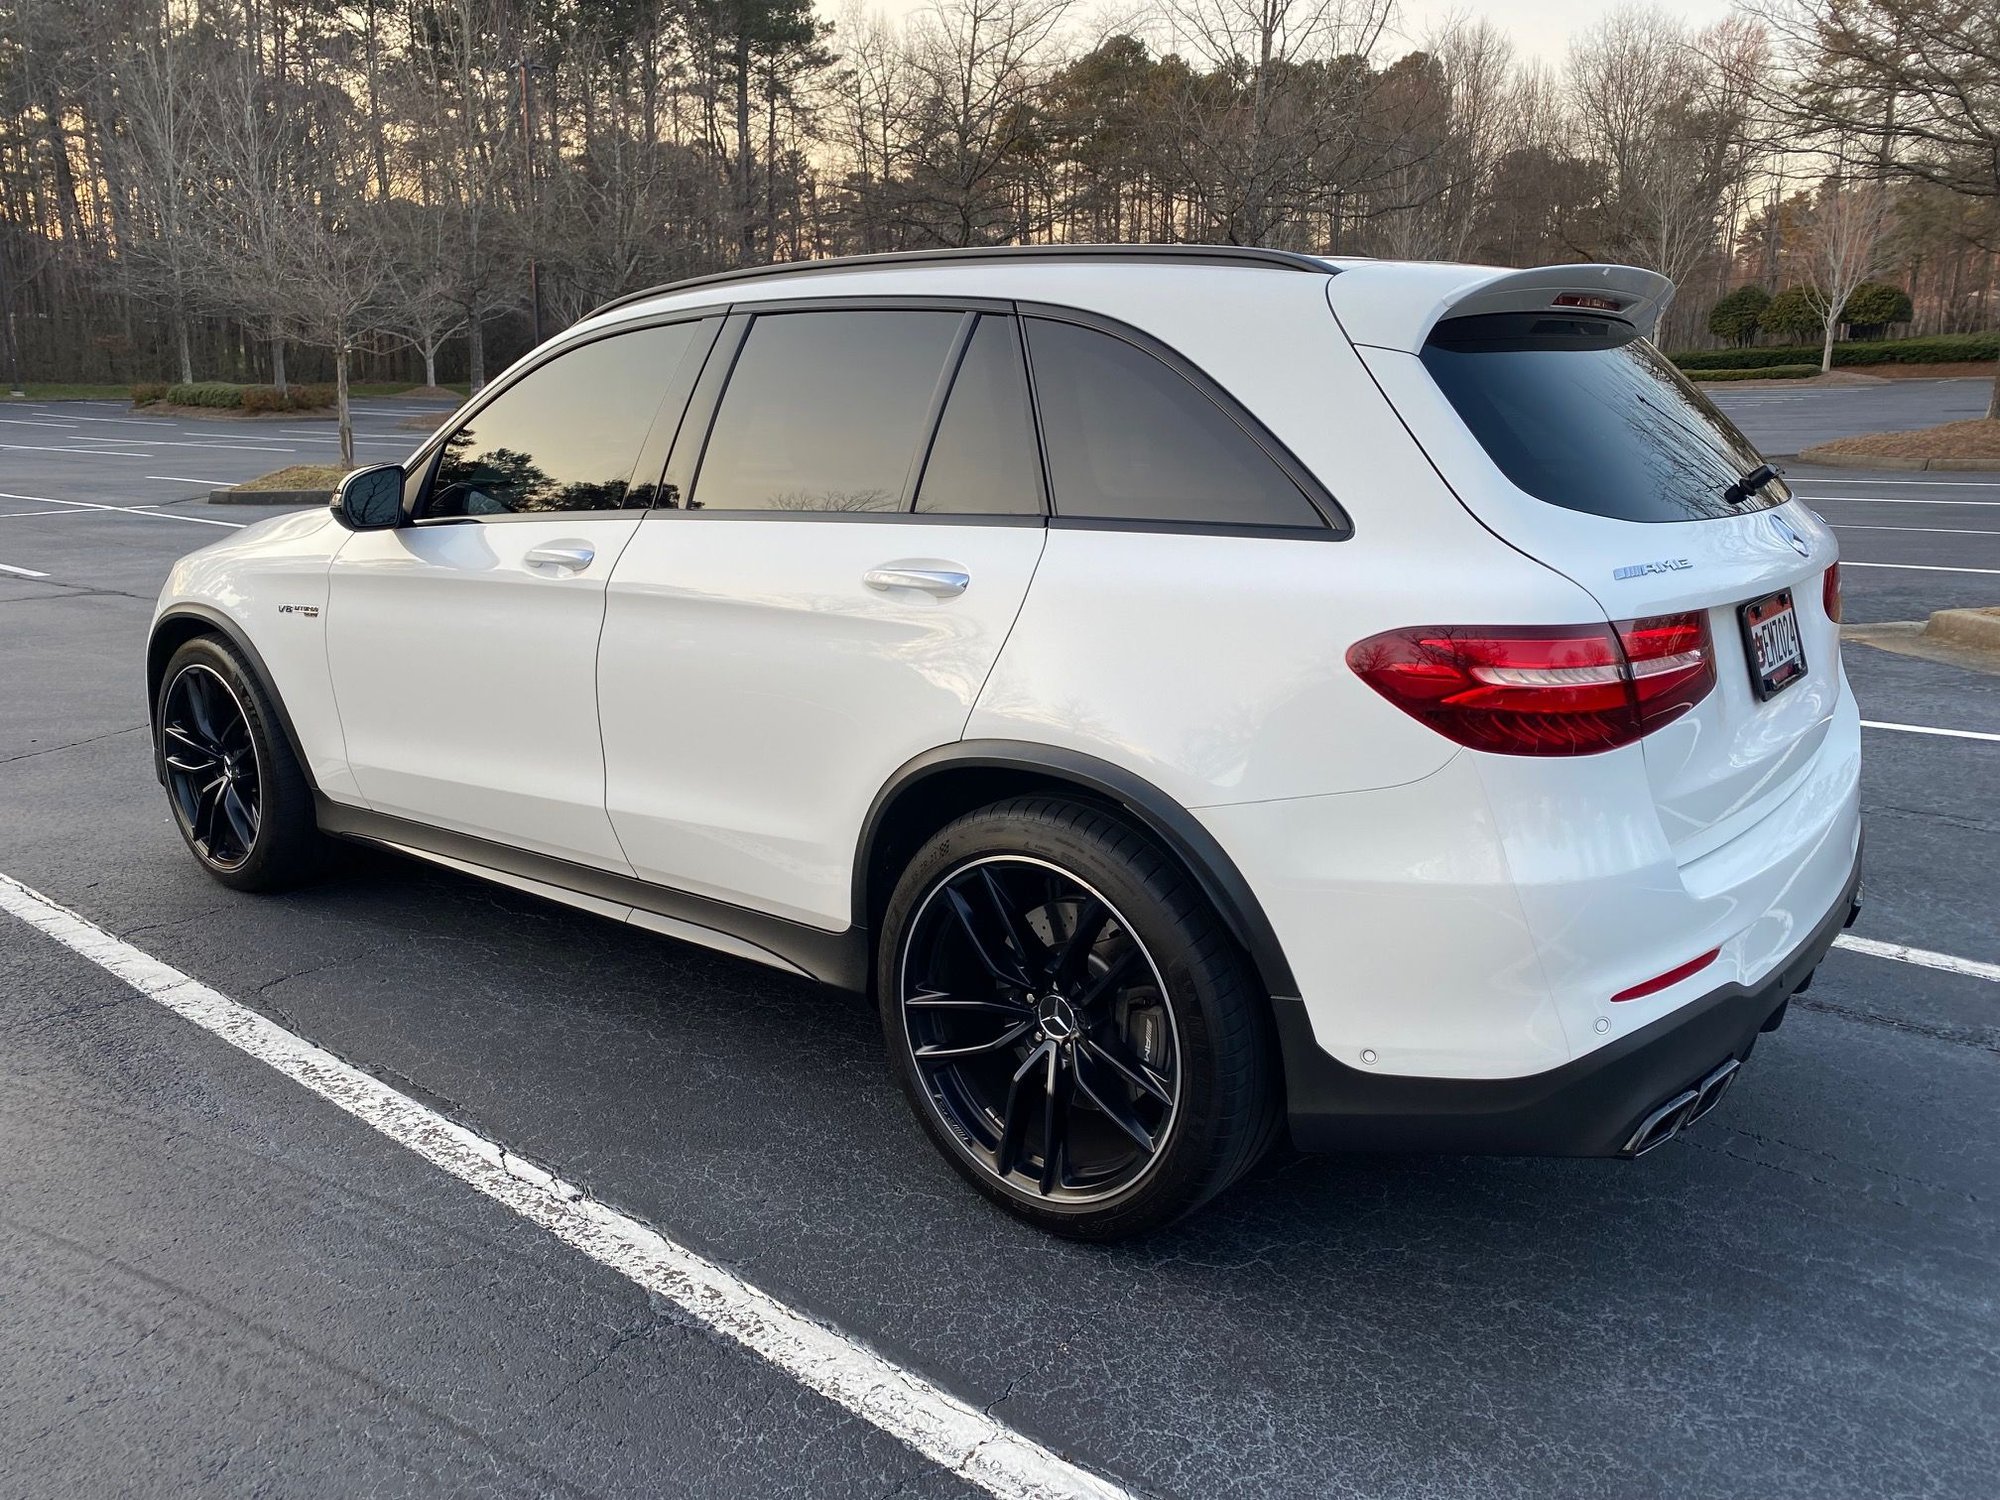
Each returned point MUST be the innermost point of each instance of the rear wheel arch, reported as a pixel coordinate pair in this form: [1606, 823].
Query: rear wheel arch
[940, 785]
[181, 624]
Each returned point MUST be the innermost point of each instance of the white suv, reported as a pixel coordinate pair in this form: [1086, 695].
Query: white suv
[1197, 690]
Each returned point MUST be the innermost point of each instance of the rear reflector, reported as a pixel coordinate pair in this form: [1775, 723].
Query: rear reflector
[1542, 690]
[1830, 593]
[1673, 976]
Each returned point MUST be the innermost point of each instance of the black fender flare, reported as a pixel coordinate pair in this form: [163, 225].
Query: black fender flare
[1173, 825]
[162, 642]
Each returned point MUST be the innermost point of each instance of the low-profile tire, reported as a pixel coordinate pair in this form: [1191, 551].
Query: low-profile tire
[1045, 971]
[234, 785]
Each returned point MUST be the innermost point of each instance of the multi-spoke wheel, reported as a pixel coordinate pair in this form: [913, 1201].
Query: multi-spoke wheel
[211, 765]
[235, 787]
[1074, 1027]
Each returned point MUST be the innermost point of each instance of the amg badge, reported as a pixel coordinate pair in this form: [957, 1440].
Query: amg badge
[310, 611]
[1640, 570]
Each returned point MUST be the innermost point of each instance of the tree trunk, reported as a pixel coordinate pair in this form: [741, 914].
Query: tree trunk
[747, 230]
[475, 353]
[181, 347]
[1993, 401]
[1826, 348]
[340, 404]
[278, 364]
[430, 365]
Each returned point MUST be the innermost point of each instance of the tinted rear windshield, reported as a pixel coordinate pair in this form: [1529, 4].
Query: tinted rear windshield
[1585, 414]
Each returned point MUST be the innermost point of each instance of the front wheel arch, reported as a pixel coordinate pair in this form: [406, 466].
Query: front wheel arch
[174, 629]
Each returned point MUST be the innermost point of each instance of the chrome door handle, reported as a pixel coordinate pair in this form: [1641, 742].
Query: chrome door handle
[576, 555]
[942, 583]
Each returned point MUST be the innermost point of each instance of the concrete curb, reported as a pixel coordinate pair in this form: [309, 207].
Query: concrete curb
[1882, 461]
[1976, 628]
[270, 497]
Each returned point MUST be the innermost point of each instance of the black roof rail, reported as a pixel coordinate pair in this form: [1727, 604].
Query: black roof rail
[1237, 255]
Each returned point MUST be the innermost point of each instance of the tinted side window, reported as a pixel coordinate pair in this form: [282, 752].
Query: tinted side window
[1129, 438]
[984, 460]
[565, 436]
[824, 411]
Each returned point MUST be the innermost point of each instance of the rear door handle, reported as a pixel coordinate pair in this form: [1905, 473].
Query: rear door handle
[942, 583]
[575, 556]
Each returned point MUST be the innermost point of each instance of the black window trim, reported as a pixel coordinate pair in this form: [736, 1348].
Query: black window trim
[652, 448]
[691, 443]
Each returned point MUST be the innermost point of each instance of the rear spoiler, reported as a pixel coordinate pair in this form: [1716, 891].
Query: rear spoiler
[1626, 293]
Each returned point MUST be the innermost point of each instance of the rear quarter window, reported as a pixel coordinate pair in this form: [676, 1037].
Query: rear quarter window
[1585, 414]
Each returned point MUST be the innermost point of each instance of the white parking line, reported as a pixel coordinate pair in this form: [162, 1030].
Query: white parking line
[186, 479]
[34, 448]
[1922, 957]
[1950, 734]
[950, 1432]
[32, 422]
[149, 512]
[1818, 479]
[1917, 567]
[21, 572]
[1886, 500]
[1919, 530]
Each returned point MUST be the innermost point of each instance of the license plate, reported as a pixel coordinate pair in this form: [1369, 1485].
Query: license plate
[1771, 641]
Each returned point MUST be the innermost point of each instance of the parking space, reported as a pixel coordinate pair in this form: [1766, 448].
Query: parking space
[205, 1262]
[1784, 420]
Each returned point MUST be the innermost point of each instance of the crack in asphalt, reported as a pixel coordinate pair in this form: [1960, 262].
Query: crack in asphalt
[109, 734]
[1956, 1036]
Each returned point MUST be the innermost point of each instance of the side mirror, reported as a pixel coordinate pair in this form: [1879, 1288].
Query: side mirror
[371, 499]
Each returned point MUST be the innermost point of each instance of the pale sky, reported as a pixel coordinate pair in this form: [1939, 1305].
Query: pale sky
[1539, 28]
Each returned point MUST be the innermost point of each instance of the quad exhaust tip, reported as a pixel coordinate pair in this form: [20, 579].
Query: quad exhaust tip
[1681, 1111]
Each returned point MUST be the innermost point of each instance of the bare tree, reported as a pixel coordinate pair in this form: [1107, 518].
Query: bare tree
[1842, 247]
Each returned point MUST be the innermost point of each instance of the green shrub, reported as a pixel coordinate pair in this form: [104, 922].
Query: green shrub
[147, 392]
[292, 398]
[1792, 314]
[1873, 306]
[1736, 317]
[1770, 372]
[218, 393]
[1945, 348]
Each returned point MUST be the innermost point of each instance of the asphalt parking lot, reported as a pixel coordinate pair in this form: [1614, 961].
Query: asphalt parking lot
[213, 1280]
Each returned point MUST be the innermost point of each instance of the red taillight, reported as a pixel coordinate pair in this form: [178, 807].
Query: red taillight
[1533, 690]
[1830, 593]
[1673, 976]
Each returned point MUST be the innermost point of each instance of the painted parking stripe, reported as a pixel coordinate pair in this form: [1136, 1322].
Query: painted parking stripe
[1919, 530]
[1950, 734]
[44, 448]
[12, 571]
[1887, 500]
[1923, 958]
[948, 1431]
[1917, 567]
[1818, 479]
[186, 479]
[149, 512]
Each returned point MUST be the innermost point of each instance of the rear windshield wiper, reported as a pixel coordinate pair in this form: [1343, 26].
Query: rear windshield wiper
[1750, 484]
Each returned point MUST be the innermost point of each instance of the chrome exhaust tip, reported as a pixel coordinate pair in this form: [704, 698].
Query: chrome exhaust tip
[1712, 1089]
[1662, 1125]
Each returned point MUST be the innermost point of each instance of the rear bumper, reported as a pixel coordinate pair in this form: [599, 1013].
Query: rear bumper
[1589, 1107]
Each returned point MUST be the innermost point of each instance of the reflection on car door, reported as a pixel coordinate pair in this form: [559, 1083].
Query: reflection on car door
[864, 523]
[463, 646]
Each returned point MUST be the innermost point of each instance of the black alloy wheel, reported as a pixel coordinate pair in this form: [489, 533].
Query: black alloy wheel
[1041, 1029]
[214, 773]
